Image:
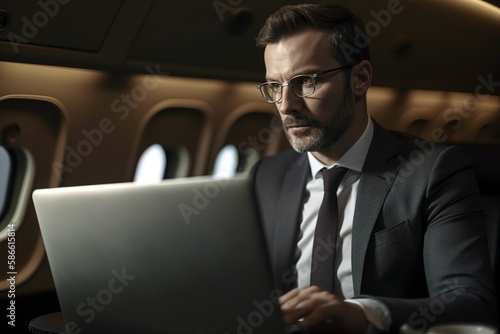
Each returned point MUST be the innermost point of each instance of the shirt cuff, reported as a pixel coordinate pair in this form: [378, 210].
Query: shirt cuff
[376, 312]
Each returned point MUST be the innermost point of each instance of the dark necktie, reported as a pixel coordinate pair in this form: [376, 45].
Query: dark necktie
[325, 235]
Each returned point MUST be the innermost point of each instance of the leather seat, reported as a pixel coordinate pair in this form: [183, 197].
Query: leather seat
[486, 160]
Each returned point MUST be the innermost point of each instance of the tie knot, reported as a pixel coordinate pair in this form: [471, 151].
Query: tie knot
[332, 177]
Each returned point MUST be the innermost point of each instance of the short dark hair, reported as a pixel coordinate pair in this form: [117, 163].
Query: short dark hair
[339, 24]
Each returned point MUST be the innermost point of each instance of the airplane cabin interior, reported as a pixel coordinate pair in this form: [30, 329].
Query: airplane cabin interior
[92, 92]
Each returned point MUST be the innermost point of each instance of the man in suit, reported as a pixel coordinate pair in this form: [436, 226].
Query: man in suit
[410, 246]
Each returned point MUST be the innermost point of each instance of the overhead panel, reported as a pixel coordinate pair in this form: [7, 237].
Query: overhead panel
[444, 45]
[64, 24]
[213, 35]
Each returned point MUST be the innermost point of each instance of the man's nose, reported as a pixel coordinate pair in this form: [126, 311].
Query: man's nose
[289, 102]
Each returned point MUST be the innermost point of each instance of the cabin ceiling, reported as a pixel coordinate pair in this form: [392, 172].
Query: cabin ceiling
[427, 44]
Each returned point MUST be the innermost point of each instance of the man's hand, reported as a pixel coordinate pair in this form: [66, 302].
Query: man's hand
[322, 312]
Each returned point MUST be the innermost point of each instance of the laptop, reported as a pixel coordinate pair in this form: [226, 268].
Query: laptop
[184, 255]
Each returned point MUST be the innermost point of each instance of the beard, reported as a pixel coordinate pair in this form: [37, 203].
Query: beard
[324, 131]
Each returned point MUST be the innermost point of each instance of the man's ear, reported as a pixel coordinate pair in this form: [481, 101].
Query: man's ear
[361, 78]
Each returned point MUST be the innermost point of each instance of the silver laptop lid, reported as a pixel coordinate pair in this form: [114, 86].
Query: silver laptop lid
[182, 256]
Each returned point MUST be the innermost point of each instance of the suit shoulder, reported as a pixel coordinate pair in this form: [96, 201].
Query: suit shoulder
[421, 152]
[411, 143]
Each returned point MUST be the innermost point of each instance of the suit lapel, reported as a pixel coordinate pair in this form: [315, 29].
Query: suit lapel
[379, 172]
[289, 215]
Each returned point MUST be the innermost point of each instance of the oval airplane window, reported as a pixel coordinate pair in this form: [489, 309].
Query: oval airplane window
[5, 176]
[152, 165]
[17, 170]
[226, 162]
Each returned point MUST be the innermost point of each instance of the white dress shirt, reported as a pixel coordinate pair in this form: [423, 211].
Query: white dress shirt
[353, 159]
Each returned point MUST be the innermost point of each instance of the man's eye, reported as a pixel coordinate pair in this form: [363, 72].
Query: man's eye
[305, 81]
[275, 86]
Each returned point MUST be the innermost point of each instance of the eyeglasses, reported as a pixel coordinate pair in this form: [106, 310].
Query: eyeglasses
[302, 85]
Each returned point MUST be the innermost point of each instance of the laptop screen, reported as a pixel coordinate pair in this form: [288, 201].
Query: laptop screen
[181, 256]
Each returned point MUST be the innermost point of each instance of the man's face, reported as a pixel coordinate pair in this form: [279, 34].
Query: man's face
[316, 122]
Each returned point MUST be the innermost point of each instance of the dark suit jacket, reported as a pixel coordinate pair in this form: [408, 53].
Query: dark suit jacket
[418, 242]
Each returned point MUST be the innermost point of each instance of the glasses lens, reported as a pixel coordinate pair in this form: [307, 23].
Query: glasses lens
[302, 85]
[271, 91]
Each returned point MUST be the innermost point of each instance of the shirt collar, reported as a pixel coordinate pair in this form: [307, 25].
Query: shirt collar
[353, 159]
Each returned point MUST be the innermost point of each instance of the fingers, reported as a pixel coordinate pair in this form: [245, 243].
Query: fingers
[312, 304]
[321, 311]
[291, 307]
[289, 296]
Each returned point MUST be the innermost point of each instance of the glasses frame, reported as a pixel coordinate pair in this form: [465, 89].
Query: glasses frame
[313, 77]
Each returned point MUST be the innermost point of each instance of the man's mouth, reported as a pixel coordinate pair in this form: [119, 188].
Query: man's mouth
[298, 129]
[296, 126]
[296, 123]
